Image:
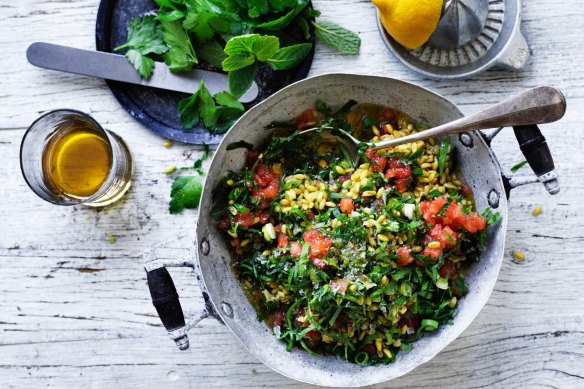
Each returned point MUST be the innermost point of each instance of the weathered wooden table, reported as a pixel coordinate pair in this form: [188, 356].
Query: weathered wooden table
[74, 307]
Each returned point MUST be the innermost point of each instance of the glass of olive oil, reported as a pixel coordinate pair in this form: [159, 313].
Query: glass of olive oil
[67, 158]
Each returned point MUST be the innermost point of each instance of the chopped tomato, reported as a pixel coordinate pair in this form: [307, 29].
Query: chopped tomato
[312, 339]
[279, 316]
[475, 222]
[296, 249]
[432, 253]
[448, 270]
[339, 286]
[430, 208]
[318, 262]
[402, 184]
[398, 169]
[347, 205]
[377, 162]
[282, 241]
[306, 119]
[344, 177]
[405, 256]
[263, 215]
[268, 183]
[312, 235]
[454, 215]
[444, 235]
[251, 157]
[246, 219]
[388, 114]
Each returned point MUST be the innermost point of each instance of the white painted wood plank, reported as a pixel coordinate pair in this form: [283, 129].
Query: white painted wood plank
[75, 310]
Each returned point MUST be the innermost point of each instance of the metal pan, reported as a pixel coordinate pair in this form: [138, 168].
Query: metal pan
[212, 263]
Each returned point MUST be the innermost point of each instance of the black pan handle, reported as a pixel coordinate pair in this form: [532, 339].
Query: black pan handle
[537, 153]
[165, 300]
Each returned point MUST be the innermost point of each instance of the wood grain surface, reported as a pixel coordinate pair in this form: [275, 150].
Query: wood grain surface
[75, 310]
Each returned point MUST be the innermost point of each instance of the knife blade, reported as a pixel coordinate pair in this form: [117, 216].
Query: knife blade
[116, 67]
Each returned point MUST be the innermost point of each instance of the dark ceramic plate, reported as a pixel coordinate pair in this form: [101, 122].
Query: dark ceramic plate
[155, 108]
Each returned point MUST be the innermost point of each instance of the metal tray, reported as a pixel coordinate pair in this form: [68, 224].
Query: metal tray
[157, 109]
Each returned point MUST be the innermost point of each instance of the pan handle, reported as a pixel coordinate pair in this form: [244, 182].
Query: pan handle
[166, 300]
[537, 153]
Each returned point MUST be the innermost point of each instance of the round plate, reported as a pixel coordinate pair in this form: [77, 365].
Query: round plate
[156, 108]
[500, 43]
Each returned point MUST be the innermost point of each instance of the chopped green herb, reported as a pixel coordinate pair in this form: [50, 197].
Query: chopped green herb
[518, 166]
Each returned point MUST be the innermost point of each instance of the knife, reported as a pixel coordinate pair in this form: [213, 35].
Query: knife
[116, 67]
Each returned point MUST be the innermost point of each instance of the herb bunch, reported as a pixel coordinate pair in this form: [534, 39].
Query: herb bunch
[234, 36]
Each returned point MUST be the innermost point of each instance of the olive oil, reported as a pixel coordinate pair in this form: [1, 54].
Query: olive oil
[77, 162]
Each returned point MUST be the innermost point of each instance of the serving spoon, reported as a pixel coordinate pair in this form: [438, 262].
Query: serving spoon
[539, 105]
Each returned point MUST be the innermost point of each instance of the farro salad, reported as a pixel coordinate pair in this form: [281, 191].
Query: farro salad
[356, 261]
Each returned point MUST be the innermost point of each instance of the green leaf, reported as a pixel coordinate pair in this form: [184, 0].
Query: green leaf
[337, 37]
[212, 53]
[142, 63]
[227, 100]
[257, 8]
[200, 25]
[238, 145]
[283, 21]
[289, 57]
[444, 147]
[185, 193]
[171, 16]
[181, 56]
[241, 80]
[518, 166]
[237, 61]
[265, 46]
[144, 37]
[200, 106]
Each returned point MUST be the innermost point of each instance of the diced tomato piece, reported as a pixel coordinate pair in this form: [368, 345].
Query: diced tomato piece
[398, 169]
[312, 235]
[444, 235]
[430, 208]
[432, 253]
[347, 205]
[388, 114]
[282, 241]
[312, 339]
[306, 119]
[448, 270]
[310, 215]
[263, 215]
[377, 162]
[475, 222]
[318, 262]
[339, 286]
[246, 219]
[454, 215]
[402, 184]
[405, 256]
[300, 319]
[296, 249]
[279, 316]
[378, 204]
[268, 183]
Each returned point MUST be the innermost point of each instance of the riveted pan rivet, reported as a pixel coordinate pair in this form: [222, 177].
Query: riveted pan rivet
[227, 309]
[466, 139]
[493, 198]
[205, 248]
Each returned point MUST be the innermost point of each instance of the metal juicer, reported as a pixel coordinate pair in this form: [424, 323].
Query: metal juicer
[472, 36]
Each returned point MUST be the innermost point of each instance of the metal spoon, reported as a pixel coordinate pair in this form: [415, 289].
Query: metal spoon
[539, 105]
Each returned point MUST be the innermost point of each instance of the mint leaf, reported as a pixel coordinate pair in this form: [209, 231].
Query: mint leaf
[284, 20]
[289, 57]
[265, 46]
[212, 53]
[227, 100]
[181, 56]
[200, 106]
[337, 37]
[144, 37]
[237, 61]
[185, 192]
[242, 79]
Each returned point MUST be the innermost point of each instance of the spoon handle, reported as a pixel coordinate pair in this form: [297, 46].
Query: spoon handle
[539, 105]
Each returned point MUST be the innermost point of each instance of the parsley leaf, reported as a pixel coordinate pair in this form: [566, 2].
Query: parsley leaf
[181, 56]
[144, 37]
[444, 148]
[337, 37]
[212, 53]
[289, 57]
[518, 166]
[185, 193]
